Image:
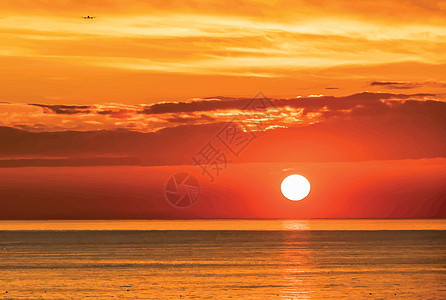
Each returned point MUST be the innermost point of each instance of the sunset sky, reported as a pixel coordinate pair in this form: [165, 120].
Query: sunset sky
[148, 83]
[150, 51]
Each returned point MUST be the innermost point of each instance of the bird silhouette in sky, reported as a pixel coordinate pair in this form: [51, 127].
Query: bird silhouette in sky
[88, 18]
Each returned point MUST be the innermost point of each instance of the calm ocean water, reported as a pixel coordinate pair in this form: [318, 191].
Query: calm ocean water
[239, 259]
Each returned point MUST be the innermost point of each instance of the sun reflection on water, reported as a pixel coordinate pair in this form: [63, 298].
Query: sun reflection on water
[296, 257]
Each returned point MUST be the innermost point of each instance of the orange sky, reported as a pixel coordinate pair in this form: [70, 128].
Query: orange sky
[356, 102]
[149, 51]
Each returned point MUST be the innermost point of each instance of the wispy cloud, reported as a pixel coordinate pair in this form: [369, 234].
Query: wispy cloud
[64, 109]
[409, 84]
[140, 49]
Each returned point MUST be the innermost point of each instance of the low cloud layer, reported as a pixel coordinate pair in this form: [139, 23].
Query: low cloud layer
[364, 126]
[151, 118]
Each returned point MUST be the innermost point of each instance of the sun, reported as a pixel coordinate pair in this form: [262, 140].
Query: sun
[295, 187]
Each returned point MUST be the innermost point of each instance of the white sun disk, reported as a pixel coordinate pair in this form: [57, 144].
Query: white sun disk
[295, 187]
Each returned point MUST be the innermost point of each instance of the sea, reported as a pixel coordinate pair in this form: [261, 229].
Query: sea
[223, 259]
